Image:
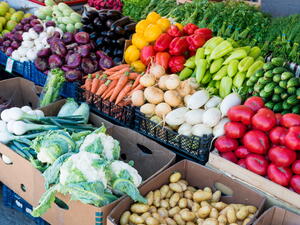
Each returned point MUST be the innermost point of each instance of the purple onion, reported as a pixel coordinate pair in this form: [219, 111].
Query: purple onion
[34, 22]
[15, 45]
[25, 21]
[38, 28]
[44, 52]
[82, 37]
[55, 61]
[68, 38]
[1, 40]
[50, 23]
[27, 27]
[18, 36]
[19, 27]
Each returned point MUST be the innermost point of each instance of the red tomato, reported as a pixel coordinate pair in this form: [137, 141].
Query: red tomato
[290, 120]
[255, 103]
[242, 163]
[256, 141]
[280, 175]
[277, 135]
[278, 118]
[282, 156]
[235, 129]
[226, 144]
[257, 164]
[292, 138]
[264, 120]
[241, 152]
[240, 113]
[205, 32]
[296, 167]
[229, 156]
[295, 183]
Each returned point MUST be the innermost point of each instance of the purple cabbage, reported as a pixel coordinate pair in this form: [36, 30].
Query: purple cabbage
[58, 48]
[73, 75]
[82, 37]
[55, 61]
[38, 28]
[44, 52]
[87, 66]
[68, 38]
[41, 64]
[106, 62]
[84, 50]
[74, 60]
[50, 23]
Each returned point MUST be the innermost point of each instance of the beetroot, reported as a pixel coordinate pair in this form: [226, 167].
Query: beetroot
[82, 37]
[55, 61]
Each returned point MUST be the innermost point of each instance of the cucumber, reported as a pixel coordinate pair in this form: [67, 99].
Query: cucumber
[286, 105]
[277, 78]
[270, 105]
[292, 90]
[268, 66]
[268, 74]
[292, 100]
[283, 84]
[279, 70]
[249, 83]
[265, 94]
[253, 79]
[277, 61]
[276, 98]
[270, 87]
[296, 109]
[259, 73]
[293, 82]
[284, 96]
[258, 88]
[277, 107]
[286, 75]
[278, 90]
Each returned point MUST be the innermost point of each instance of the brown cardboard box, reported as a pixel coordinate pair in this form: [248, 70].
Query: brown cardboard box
[197, 176]
[20, 91]
[278, 216]
[150, 159]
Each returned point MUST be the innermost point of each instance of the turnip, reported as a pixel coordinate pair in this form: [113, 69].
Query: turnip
[229, 101]
[175, 117]
[137, 98]
[162, 109]
[211, 117]
[157, 70]
[154, 95]
[201, 130]
[148, 109]
[185, 129]
[162, 82]
[214, 101]
[198, 99]
[184, 88]
[147, 80]
[172, 82]
[173, 98]
[194, 116]
[219, 128]
[186, 99]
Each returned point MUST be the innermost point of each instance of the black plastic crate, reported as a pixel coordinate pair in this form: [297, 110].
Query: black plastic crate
[196, 148]
[14, 201]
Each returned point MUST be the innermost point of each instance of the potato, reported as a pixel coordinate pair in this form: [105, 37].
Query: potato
[169, 194]
[182, 203]
[163, 212]
[150, 198]
[164, 204]
[222, 219]
[233, 224]
[236, 207]
[242, 213]
[139, 208]
[134, 218]
[219, 205]
[164, 191]
[195, 207]
[152, 209]
[210, 221]
[174, 199]
[170, 221]
[252, 209]
[175, 177]
[200, 196]
[214, 213]
[190, 223]
[207, 189]
[182, 184]
[250, 215]
[190, 203]
[203, 212]
[145, 215]
[174, 211]
[192, 189]
[157, 198]
[175, 187]
[200, 221]
[246, 221]
[230, 214]
[179, 220]
[157, 216]
[188, 194]
[152, 221]
[182, 210]
[216, 196]
[205, 203]
[187, 215]
[125, 218]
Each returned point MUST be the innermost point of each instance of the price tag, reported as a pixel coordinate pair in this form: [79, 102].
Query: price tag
[9, 65]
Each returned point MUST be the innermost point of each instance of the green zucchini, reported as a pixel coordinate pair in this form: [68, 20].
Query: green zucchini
[268, 66]
[292, 100]
[277, 61]
[277, 107]
[286, 75]
[270, 87]
[277, 78]
[279, 70]
[293, 82]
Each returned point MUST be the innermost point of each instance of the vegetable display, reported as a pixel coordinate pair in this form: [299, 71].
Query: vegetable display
[263, 142]
[180, 203]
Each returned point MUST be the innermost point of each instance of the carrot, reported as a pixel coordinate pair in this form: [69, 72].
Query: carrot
[110, 87]
[103, 87]
[136, 82]
[139, 87]
[108, 94]
[93, 75]
[88, 83]
[116, 68]
[123, 92]
[117, 74]
[95, 84]
[133, 76]
[121, 83]
[124, 102]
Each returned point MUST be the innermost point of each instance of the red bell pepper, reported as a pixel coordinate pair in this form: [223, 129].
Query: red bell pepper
[162, 43]
[162, 58]
[190, 28]
[205, 33]
[174, 31]
[147, 53]
[176, 63]
[178, 46]
[280, 175]
[195, 41]
[292, 138]
[257, 164]
[282, 156]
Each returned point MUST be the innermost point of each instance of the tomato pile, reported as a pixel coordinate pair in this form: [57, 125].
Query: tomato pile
[263, 142]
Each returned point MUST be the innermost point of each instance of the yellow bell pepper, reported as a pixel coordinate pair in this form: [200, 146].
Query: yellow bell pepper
[152, 17]
[164, 24]
[179, 26]
[141, 26]
[138, 40]
[138, 66]
[152, 32]
[131, 54]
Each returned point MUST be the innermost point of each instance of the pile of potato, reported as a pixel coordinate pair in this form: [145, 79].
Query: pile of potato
[179, 203]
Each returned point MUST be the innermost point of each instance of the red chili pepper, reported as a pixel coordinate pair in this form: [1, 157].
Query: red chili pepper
[146, 53]
[162, 58]
[174, 31]
[195, 41]
[178, 46]
[162, 42]
[205, 33]
[176, 63]
[190, 28]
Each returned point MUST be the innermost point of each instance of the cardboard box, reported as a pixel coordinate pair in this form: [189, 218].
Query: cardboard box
[268, 187]
[150, 159]
[20, 91]
[197, 176]
[278, 216]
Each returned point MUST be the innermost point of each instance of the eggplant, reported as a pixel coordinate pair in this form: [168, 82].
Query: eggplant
[97, 23]
[114, 13]
[120, 41]
[93, 35]
[85, 20]
[119, 30]
[87, 28]
[102, 11]
[92, 14]
[109, 23]
[117, 52]
[110, 34]
[103, 17]
[130, 27]
[121, 22]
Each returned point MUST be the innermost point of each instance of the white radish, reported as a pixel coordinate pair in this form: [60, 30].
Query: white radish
[186, 99]
[185, 129]
[5, 116]
[229, 101]
[10, 126]
[211, 117]
[214, 101]
[201, 130]
[194, 116]
[176, 117]
[39, 113]
[198, 99]
[219, 128]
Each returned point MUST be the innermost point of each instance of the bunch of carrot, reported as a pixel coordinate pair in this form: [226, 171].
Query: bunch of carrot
[116, 84]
